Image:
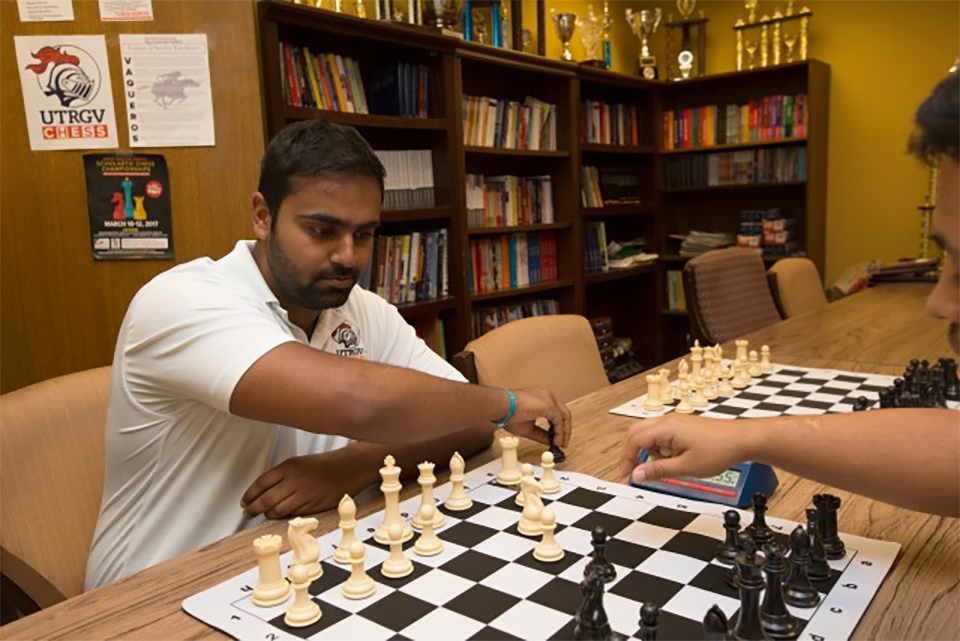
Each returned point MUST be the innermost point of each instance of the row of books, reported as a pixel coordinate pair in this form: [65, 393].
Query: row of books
[401, 89]
[489, 318]
[769, 118]
[412, 267]
[744, 167]
[609, 124]
[488, 122]
[675, 299]
[608, 185]
[512, 261]
[595, 257]
[321, 80]
[508, 201]
[409, 180]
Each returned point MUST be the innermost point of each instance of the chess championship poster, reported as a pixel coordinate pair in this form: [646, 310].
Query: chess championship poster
[128, 199]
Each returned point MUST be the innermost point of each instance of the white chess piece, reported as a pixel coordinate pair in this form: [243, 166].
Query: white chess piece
[272, 589]
[725, 388]
[683, 372]
[698, 400]
[530, 517]
[742, 346]
[510, 471]
[397, 564]
[304, 611]
[549, 483]
[696, 361]
[653, 402]
[709, 387]
[684, 407]
[348, 525]
[306, 548]
[390, 473]
[765, 364]
[548, 550]
[666, 390]
[429, 543]
[737, 382]
[754, 364]
[359, 585]
[458, 500]
[426, 481]
[521, 497]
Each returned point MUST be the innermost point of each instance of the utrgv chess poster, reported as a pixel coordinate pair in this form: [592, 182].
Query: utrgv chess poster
[67, 95]
[128, 199]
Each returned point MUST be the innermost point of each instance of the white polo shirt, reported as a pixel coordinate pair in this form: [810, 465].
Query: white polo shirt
[177, 462]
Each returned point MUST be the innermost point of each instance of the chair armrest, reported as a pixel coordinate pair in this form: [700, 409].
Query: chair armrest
[31, 583]
[466, 364]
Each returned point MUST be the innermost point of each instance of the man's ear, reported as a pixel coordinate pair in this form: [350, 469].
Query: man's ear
[261, 217]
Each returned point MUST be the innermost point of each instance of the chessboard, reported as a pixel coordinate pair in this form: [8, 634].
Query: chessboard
[787, 390]
[486, 583]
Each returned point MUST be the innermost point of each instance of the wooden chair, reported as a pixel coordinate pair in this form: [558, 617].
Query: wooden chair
[727, 295]
[796, 286]
[51, 482]
[557, 352]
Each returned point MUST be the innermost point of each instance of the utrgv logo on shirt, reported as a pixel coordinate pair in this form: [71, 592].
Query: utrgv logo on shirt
[345, 335]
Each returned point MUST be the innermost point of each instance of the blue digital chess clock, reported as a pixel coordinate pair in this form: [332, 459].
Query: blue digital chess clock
[735, 487]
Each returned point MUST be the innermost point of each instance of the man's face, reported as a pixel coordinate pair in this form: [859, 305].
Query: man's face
[944, 300]
[321, 240]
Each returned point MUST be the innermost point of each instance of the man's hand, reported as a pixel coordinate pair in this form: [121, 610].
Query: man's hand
[683, 445]
[534, 403]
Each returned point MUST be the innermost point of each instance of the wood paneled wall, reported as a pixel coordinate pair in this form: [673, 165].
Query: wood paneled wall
[59, 309]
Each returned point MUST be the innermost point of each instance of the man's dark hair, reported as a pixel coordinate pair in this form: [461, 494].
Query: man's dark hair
[309, 148]
[938, 122]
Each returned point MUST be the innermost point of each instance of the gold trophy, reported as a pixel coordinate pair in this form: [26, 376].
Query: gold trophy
[751, 6]
[566, 24]
[480, 26]
[591, 34]
[445, 14]
[685, 58]
[644, 24]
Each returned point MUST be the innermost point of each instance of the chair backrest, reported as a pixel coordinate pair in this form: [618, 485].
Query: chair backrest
[796, 286]
[51, 481]
[727, 294]
[557, 352]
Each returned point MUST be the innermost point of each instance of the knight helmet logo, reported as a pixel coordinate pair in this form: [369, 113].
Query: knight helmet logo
[59, 73]
[346, 335]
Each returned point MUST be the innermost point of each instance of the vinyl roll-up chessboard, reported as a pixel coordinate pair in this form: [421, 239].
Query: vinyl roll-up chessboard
[486, 583]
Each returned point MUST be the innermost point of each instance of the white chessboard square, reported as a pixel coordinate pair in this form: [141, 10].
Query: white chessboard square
[496, 518]
[675, 567]
[799, 410]
[765, 389]
[627, 508]
[491, 494]
[692, 603]
[623, 613]
[565, 488]
[802, 387]
[440, 624]
[506, 546]
[707, 525]
[267, 614]
[646, 534]
[783, 400]
[517, 580]
[529, 620]
[567, 513]
[755, 413]
[573, 539]
[736, 401]
[450, 551]
[438, 586]
[355, 628]
[335, 597]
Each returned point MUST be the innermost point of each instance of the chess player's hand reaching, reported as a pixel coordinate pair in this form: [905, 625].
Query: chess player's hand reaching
[534, 403]
[683, 445]
[300, 485]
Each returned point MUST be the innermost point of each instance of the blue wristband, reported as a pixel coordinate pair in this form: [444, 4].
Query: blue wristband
[510, 412]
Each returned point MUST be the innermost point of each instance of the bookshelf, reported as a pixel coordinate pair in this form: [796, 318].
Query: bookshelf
[641, 207]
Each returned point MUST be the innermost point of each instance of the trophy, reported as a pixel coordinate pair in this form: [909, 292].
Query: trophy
[644, 24]
[446, 12]
[591, 33]
[751, 6]
[685, 7]
[566, 24]
[479, 26]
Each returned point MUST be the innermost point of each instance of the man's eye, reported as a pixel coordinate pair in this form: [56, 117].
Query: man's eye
[322, 232]
[365, 235]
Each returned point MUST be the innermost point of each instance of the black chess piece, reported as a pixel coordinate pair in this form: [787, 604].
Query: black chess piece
[885, 398]
[778, 623]
[558, 455]
[798, 591]
[749, 626]
[745, 543]
[861, 404]
[727, 551]
[599, 563]
[759, 529]
[819, 569]
[827, 508]
[592, 622]
[715, 625]
[952, 388]
[649, 614]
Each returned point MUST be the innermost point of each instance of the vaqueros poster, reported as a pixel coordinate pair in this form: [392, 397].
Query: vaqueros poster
[66, 92]
[128, 199]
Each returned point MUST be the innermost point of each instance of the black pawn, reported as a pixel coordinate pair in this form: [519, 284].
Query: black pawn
[861, 404]
[885, 399]
[558, 455]
[592, 621]
[600, 565]
[819, 569]
[649, 614]
[827, 522]
[952, 388]
[745, 545]
[778, 623]
[798, 591]
[759, 530]
[727, 553]
[749, 626]
[715, 626]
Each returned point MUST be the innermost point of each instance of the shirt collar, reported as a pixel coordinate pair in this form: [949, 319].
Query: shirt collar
[240, 263]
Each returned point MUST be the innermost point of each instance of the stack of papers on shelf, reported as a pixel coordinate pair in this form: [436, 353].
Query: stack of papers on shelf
[700, 242]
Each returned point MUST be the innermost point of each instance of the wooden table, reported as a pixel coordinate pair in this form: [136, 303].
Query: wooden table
[877, 331]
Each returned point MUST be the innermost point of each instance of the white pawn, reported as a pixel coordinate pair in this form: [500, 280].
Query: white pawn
[458, 500]
[549, 483]
[348, 524]
[653, 402]
[709, 388]
[742, 346]
[426, 481]
[698, 400]
[272, 589]
[737, 381]
[304, 611]
[429, 543]
[397, 564]
[765, 364]
[548, 550]
[510, 471]
[521, 497]
[725, 388]
[306, 548]
[359, 585]
[754, 364]
[666, 390]
[684, 407]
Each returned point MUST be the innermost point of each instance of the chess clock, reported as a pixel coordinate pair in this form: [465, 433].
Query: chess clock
[734, 487]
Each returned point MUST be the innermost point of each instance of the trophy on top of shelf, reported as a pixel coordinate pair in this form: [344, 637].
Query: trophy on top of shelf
[566, 24]
[689, 53]
[445, 15]
[591, 35]
[782, 29]
[644, 24]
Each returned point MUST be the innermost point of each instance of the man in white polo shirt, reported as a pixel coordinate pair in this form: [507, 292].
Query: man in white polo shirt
[218, 361]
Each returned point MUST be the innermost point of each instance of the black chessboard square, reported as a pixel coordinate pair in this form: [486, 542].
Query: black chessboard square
[794, 393]
[673, 627]
[641, 587]
[566, 632]
[331, 615]
[515, 530]
[695, 545]
[833, 391]
[481, 603]
[826, 585]
[777, 384]
[467, 514]
[609, 522]
[510, 503]
[584, 498]
[626, 554]
[399, 637]
[871, 388]
[713, 578]
[792, 372]
[489, 633]
[419, 570]
[559, 594]
[386, 546]
[397, 610]
[467, 534]
[554, 568]
[332, 575]
[810, 380]
[668, 518]
[773, 407]
[730, 410]
[473, 565]
[846, 378]
[752, 396]
[819, 405]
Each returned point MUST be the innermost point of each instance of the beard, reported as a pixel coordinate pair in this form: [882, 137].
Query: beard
[311, 295]
[953, 335]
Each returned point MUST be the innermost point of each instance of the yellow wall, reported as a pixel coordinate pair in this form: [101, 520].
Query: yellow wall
[885, 56]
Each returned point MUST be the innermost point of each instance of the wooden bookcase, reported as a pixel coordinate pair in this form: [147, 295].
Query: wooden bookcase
[634, 298]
